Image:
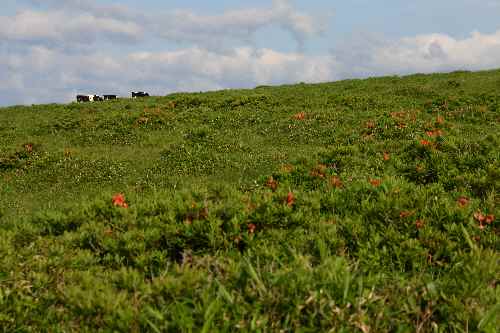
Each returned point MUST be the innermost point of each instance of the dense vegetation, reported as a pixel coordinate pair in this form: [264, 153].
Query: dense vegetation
[362, 205]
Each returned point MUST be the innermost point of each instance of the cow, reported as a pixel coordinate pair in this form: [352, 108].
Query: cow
[88, 98]
[136, 94]
[108, 97]
[82, 98]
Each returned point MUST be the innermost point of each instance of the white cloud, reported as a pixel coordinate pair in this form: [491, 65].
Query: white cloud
[244, 67]
[83, 21]
[238, 24]
[65, 27]
[368, 55]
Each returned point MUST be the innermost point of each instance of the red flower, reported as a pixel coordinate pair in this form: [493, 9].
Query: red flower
[318, 171]
[419, 224]
[370, 124]
[272, 184]
[425, 143]
[299, 116]
[479, 217]
[290, 199]
[119, 200]
[336, 182]
[405, 214]
[28, 147]
[375, 182]
[434, 133]
[387, 156]
[489, 218]
[287, 168]
[397, 115]
[463, 201]
[251, 228]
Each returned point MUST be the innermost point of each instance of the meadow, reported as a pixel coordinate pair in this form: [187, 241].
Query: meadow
[354, 206]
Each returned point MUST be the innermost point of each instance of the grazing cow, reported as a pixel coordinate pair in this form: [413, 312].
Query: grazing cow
[108, 97]
[82, 98]
[136, 94]
[89, 98]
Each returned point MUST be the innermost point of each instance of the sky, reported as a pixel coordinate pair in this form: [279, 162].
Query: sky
[51, 50]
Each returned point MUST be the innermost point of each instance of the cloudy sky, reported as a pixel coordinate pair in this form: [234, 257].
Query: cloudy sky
[50, 50]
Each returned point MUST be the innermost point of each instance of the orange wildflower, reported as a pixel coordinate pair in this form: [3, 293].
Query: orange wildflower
[287, 168]
[119, 200]
[272, 184]
[419, 224]
[397, 115]
[489, 219]
[251, 228]
[237, 239]
[425, 143]
[434, 133]
[28, 147]
[405, 214]
[463, 201]
[299, 116]
[375, 182]
[387, 156]
[370, 124]
[318, 171]
[479, 217]
[336, 182]
[290, 199]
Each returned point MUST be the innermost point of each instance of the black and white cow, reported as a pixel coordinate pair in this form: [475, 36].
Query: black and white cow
[82, 98]
[88, 98]
[136, 94]
[108, 97]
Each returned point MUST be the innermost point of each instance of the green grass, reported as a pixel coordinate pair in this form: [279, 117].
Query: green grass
[355, 206]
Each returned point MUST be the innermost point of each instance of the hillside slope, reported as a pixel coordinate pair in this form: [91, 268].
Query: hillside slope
[361, 205]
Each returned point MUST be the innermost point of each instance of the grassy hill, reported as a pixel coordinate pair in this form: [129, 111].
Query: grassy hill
[361, 205]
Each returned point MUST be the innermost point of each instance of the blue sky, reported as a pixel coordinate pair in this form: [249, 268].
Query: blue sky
[52, 49]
